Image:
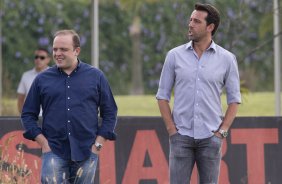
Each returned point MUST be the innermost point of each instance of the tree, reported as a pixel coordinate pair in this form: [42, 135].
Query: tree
[133, 8]
[28, 24]
[148, 28]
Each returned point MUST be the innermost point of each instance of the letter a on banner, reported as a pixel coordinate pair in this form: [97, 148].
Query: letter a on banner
[146, 143]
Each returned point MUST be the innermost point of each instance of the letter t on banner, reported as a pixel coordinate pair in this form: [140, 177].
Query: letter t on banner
[255, 139]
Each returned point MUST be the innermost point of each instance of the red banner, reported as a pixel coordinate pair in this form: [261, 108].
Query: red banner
[251, 154]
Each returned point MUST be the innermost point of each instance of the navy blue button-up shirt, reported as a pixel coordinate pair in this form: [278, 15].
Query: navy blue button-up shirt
[70, 104]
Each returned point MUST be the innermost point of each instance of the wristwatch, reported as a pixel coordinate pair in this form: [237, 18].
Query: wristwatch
[223, 133]
[98, 146]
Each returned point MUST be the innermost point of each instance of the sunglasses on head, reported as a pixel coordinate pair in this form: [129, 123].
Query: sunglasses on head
[40, 57]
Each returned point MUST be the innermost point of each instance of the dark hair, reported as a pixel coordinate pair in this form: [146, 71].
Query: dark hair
[43, 49]
[213, 15]
[75, 37]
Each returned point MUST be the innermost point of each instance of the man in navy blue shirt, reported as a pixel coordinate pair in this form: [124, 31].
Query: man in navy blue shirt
[72, 95]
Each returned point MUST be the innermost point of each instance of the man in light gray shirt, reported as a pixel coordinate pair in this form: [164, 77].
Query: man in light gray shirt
[41, 61]
[198, 71]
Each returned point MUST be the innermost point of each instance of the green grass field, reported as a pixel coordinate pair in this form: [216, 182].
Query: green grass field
[254, 104]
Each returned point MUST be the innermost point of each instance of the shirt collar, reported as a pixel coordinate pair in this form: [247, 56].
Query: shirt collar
[211, 47]
[77, 67]
[34, 70]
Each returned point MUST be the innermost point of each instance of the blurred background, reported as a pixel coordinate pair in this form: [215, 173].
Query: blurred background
[134, 37]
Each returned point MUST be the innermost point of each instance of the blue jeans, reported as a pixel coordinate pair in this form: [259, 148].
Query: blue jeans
[56, 170]
[185, 151]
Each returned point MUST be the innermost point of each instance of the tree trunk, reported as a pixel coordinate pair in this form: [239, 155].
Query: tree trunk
[137, 87]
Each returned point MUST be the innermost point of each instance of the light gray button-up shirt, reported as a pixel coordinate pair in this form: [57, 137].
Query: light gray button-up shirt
[198, 84]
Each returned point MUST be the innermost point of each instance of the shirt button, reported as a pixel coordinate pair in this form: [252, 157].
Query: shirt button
[69, 133]
[68, 109]
[68, 121]
[68, 76]
[68, 98]
[198, 78]
[68, 86]
[197, 104]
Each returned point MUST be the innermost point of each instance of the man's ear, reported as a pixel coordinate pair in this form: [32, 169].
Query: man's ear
[77, 51]
[210, 27]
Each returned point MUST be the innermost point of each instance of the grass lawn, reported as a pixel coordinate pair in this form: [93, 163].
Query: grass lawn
[257, 104]
[254, 104]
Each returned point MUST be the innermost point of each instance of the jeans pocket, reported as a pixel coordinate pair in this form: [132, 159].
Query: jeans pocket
[216, 138]
[174, 135]
[94, 156]
[44, 154]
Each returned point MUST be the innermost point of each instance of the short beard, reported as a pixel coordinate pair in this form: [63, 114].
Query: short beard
[192, 38]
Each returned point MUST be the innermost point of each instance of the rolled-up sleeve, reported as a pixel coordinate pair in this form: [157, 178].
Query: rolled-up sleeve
[232, 83]
[167, 78]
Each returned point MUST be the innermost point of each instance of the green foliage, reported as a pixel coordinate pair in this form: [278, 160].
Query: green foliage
[240, 33]
[27, 24]
[164, 27]
[115, 50]
[266, 26]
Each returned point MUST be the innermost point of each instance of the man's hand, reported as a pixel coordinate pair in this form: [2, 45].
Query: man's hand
[171, 131]
[42, 141]
[94, 150]
[217, 134]
[100, 140]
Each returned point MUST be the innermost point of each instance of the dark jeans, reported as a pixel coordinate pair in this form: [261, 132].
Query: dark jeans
[56, 170]
[185, 151]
